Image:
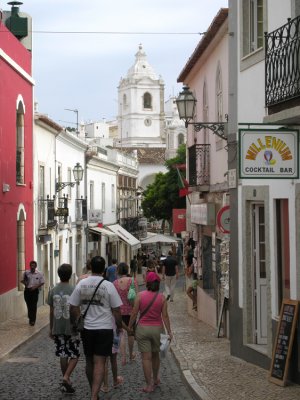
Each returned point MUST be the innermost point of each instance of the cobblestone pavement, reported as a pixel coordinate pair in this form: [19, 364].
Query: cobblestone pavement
[212, 372]
[206, 371]
[33, 372]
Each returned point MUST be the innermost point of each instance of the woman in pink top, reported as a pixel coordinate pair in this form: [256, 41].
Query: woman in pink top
[122, 285]
[153, 309]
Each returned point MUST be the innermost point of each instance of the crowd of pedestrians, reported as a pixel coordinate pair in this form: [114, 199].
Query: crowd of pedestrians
[110, 322]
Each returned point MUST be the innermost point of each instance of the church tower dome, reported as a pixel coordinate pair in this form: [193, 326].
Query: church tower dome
[141, 105]
[141, 67]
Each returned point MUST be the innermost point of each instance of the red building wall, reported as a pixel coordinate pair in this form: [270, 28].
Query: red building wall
[15, 72]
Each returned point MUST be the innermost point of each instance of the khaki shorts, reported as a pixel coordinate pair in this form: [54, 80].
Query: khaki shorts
[148, 338]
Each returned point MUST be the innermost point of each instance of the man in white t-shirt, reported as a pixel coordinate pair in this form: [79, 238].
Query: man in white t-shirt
[97, 335]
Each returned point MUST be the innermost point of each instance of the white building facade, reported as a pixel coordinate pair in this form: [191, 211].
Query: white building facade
[263, 113]
[206, 74]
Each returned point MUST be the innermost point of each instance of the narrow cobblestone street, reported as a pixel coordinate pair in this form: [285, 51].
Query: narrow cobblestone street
[33, 373]
[206, 368]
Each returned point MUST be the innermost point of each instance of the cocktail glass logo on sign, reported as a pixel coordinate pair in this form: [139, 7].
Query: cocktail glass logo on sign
[269, 154]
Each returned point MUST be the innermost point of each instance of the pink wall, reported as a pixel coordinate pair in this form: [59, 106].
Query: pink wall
[12, 85]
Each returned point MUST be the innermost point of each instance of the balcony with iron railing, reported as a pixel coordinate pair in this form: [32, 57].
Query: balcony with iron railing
[199, 166]
[282, 67]
[46, 214]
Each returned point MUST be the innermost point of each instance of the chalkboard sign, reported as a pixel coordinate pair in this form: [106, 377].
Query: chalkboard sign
[284, 342]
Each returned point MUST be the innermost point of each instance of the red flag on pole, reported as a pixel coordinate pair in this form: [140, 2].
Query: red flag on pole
[183, 185]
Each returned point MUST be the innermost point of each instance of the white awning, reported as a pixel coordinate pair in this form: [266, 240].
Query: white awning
[126, 236]
[101, 231]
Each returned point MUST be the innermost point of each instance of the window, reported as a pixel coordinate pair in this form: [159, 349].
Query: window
[147, 100]
[205, 103]
[283, 251]
[180, 139]
[20, 245]
[103, 196]
[205, 111]
[59, 173]
[41, 195]
[69, 180]
[92, 195]
[253, 25]
[113, 198]
[256, 24]
[20, 167]
[219, 104]
[219, 95]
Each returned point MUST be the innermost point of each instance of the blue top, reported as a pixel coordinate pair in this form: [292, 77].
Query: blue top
[111, 273]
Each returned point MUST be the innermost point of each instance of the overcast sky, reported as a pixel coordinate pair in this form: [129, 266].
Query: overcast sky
[83, 70]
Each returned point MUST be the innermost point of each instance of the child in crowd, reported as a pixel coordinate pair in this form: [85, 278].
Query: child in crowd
[118, 380]
[61, 331]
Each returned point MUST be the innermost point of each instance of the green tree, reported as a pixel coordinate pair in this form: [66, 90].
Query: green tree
[162, 195]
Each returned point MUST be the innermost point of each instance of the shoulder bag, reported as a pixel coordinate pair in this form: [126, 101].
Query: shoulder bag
[144, 312]
[80, 321]
[131, 295]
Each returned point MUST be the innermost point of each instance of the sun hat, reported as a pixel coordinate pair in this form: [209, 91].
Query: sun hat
[152, 277]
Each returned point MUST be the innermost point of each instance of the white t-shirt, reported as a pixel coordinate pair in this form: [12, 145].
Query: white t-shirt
[99, 315]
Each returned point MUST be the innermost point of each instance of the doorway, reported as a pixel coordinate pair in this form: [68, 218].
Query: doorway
[259, 284]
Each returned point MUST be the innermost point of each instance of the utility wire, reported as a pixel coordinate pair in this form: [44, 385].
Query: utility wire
[117, 33]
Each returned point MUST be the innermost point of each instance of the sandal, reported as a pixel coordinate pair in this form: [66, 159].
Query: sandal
[67, 388]
[105, 389]
[132, 358]
[120, 381]
[148, 389]
[156, 383]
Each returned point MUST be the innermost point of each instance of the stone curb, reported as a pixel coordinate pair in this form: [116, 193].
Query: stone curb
[187, 375]
[22, 342]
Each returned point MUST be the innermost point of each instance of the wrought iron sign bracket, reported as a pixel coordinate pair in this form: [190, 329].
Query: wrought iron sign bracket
[217, 128]
[61, 185]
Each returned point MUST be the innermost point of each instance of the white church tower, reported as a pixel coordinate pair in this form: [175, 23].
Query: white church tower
[141, 106]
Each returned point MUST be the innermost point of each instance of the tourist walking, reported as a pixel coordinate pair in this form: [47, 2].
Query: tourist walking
[122, 284]
[133, 266]
[87, 272]
[153, 310]
[103, 302]
[117, 379]
[170, 274]
[111, 271]
[33, 280]
[61, 331]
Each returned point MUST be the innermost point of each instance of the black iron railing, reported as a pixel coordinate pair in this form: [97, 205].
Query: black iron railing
[199, 164]
[46, 213]
[282, 66]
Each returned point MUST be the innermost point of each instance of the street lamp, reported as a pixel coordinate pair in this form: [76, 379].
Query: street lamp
[78, 175]
[186, 104]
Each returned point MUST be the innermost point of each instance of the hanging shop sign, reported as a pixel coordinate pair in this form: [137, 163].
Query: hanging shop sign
[269, 154]
[223, 219]
[179, 220]
[203, 214]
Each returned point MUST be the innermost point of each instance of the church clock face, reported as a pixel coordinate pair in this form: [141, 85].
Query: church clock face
[147, 121]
